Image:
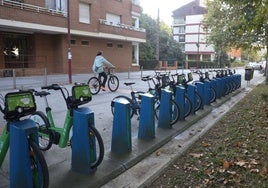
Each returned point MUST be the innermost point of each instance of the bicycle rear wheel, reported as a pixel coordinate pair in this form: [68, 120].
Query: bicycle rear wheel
[94, 85]
[122, 97]
[45, 138]
[113, 83]
[97, 156]
[40, 175]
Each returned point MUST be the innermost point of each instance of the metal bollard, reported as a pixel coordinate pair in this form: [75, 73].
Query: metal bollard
[164, 118]
[83, 147]
[147, 119]
[14, 79]
[121, 133]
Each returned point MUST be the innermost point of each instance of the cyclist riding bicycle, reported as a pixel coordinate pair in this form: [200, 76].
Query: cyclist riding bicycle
[98, 67]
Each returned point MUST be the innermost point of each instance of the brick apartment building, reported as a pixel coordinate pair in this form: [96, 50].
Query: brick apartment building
[34, 34]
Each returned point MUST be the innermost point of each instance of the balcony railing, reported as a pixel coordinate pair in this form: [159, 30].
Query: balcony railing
[32, 7]
[124, 26]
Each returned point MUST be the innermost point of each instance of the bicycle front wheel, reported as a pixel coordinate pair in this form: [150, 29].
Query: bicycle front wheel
[44, 134]
[212, 97]
[198, 101]
[187, 106]
[113, 83]
[94, 85]
[175, 111]
[40, 175]
[97, 149]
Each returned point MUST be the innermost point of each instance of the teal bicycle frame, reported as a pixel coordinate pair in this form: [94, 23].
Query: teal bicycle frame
[60, 135]
[65, 131]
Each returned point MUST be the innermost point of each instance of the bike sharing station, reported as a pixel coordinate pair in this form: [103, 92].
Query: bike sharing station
[85, 158]
[27, 165]
[152, 133]
[84, 138]
[83, 155]
[155, 132]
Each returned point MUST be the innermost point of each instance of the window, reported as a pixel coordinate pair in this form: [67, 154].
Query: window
[73, 41]
[109, 44]
[84, 13]
[85, 42]
[113, 18]
[181, 38]
[182, 47]
[119, 45]
[180, 20]
[60, 5]
[135, 22]
[181, 29]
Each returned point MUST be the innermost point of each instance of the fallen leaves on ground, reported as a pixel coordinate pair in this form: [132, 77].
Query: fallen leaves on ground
[234, 153]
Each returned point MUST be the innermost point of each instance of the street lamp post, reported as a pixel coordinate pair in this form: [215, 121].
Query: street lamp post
[69, 43]
[198, 45]
[198, 58]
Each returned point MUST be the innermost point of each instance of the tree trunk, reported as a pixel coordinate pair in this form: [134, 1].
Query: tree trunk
[266, 65]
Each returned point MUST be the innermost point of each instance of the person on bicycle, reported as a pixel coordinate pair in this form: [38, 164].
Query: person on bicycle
[98, 67]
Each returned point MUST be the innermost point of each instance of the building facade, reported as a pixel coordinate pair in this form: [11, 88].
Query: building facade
[188, 31]
[34, 34]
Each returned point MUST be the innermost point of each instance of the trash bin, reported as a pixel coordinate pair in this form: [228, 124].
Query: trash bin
[249, 73]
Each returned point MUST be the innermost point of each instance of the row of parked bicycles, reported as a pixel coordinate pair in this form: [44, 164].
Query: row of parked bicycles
[167, 80]
[20, 105]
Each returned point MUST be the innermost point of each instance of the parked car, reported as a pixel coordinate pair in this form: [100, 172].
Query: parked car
[255, 65]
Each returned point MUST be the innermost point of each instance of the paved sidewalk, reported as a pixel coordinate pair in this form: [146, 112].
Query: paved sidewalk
[134, 169]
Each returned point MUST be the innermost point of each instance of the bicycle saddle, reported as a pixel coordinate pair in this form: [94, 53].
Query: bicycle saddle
[129, 83]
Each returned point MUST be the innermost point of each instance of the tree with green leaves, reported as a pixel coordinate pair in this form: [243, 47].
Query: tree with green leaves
[169, 49]
[241, 24]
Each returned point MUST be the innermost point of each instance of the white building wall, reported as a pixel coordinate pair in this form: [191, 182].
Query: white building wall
[196, 35]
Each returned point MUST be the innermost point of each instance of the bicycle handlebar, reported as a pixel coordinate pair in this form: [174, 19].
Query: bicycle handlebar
[52, 86]
[58, 87]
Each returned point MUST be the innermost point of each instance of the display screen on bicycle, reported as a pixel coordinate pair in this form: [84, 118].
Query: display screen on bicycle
[18, 104]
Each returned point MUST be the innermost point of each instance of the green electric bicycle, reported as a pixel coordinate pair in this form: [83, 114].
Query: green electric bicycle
[50, 134]
[15, 106]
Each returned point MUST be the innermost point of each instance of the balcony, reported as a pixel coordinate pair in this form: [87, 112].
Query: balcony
[121, 29]
[29, 7]
[38, 19]
[119, 25]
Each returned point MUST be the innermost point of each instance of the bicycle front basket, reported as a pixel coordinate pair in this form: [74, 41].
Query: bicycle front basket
[81, 94]
[19, 104]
